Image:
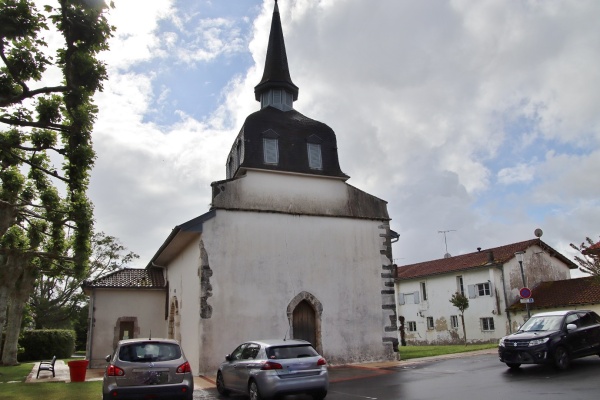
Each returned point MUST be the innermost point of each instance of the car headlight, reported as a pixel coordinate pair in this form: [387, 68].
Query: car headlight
[538, 342]
[501, 343]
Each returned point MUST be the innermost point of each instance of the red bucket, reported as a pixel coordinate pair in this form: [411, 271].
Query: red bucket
[77, 370]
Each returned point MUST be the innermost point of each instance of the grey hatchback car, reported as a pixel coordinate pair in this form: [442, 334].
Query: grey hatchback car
[264, 369]
[148, 369]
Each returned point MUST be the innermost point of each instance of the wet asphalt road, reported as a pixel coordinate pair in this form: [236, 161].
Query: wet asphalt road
[472, 377]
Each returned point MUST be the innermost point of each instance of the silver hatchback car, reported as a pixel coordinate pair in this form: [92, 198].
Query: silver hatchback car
[265, 369]
[148, 368]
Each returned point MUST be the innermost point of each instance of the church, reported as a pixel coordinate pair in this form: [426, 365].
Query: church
[288, 249]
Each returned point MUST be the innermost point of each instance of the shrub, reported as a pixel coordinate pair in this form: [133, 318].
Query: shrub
[45, 343]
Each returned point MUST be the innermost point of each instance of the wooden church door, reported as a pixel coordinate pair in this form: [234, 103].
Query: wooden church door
[304, 325]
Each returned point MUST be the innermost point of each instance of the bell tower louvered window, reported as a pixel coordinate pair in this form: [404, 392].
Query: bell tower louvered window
[313, 148]
[314, 156]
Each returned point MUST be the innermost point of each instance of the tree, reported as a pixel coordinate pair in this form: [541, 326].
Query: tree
[57, 300]
[45, 146]
[589, 259]
[461, 302]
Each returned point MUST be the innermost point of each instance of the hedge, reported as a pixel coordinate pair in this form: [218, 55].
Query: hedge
[43, 344]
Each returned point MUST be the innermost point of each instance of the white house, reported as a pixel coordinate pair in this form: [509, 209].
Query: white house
[287, 249]
[491, 279]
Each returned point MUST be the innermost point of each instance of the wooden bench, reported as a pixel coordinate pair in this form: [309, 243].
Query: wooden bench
[47, 365]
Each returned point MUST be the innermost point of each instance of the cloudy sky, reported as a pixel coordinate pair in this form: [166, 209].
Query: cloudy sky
[480, 118]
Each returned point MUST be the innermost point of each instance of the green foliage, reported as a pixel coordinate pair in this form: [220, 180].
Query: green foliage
[58, 301]
[460, 301]
[588, 262]
[44, 344]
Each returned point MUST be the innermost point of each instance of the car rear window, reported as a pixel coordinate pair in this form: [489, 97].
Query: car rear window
[149, 351]
[283, 352]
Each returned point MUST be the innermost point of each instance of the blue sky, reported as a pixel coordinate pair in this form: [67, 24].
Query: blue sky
[479, 117]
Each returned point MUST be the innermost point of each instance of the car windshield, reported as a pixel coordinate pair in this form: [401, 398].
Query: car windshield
[545, 323]
[149, 351]
[283, 352]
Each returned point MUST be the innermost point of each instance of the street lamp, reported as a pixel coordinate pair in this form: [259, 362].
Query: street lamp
[520, 255]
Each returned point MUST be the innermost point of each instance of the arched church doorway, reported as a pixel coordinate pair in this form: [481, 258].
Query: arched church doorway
[304, 316]
[303, 323]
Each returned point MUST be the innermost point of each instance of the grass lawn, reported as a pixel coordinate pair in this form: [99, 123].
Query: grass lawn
[51, 391]
[408, 352]
[46, 391]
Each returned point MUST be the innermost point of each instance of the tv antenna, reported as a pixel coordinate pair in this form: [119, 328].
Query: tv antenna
[447, 255]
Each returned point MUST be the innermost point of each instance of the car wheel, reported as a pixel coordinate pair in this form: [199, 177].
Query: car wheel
[320, 395]
[254, 392]
[221, 385]
[513, 365]
[561, 358]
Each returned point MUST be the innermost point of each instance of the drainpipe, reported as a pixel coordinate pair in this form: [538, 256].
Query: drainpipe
[501, 268]
[92, 314]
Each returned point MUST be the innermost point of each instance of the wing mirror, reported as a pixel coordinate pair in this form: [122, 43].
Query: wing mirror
[571, 327]
[228, 357]
[107, 358]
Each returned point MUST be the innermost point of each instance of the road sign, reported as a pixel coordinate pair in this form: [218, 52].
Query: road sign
[527, 300]
[525, 293]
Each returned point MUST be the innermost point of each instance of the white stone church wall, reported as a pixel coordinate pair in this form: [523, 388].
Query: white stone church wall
[261, 261]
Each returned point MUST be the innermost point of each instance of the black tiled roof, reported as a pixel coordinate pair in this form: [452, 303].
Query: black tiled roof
[293, 130]
[128, 278]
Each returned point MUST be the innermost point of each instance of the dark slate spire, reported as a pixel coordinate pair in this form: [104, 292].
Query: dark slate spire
[277, 73]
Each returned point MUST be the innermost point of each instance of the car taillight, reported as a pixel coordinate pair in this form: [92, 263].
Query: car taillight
[269, 365]
[112, 370]
[183, 368]
[321, 362]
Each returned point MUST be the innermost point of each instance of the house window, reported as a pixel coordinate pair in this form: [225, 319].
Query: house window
[408, 298]
[412, 326]
[430, 323]
[271, 152]
[483, 289]
[460, 285]
[314, 156]
[454, 321]
[487, 324]
[424, 291]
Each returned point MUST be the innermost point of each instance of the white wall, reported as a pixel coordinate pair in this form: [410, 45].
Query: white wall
[110, 305]
[261, 261]
[440, 289]
[184, 285]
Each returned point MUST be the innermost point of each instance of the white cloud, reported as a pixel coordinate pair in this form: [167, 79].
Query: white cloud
[444, 109]
[520, 173]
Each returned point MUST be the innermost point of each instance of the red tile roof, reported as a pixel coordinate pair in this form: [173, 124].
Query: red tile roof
[567, 293]
[473, 260]
[128, 278]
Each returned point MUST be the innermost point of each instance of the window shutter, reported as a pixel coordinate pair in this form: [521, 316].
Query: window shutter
[417, 300]
[472, 291]
[314, 156]
[271, 153]
[401, 298]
